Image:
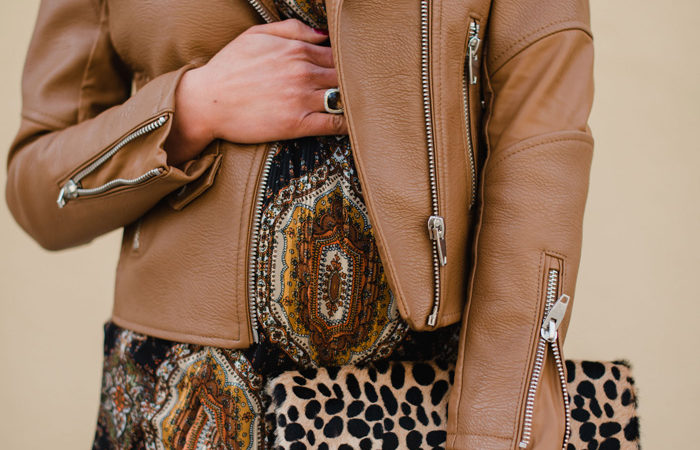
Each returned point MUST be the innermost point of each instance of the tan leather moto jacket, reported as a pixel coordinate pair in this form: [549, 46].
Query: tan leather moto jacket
[468, 122]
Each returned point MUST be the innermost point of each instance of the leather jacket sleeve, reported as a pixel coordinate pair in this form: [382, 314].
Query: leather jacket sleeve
[533, 191]
[80, 128]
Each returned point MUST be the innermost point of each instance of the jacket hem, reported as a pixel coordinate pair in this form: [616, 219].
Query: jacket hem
[178, 336]
[478, 441]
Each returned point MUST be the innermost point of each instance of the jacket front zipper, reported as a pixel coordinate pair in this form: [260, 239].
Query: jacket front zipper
[436, 223]
[252, 262]
[470, 78]
[72, 188]
[257, 211]
[262, 10]
[553, 315]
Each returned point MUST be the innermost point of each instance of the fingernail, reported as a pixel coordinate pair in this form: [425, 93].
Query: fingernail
[321, 31]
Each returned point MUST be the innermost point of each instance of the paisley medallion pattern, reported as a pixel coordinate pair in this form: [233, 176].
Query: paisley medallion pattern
[322, 292]
[166, 395]
[212, 397]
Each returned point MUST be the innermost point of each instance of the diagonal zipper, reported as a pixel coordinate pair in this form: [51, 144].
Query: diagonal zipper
[72, 188]
[554, 312]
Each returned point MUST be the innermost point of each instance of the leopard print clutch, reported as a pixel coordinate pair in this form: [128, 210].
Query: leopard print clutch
[404, 405]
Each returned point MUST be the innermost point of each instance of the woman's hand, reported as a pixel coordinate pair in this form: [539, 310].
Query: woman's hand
[267, 84]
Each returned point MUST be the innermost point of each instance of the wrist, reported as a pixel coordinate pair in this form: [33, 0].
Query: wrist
[191, 131]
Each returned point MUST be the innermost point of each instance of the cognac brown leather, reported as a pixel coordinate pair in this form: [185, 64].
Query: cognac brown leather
[98, 70]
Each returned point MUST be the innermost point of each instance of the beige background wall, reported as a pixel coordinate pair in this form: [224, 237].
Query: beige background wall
[636, 295]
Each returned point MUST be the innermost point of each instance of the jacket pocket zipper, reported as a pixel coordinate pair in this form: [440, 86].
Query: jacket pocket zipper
[470, 77]
[436, 223]
[72, 188]
[554, 312]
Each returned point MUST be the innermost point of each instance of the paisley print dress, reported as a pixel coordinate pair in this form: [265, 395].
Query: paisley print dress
[322, 299]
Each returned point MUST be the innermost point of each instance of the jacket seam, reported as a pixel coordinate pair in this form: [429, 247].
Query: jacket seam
[533, 145]
[456, 435]
[88, 63]
[476, 243]
[43, 119]
[449, 316]
[575, 25]
[535, 31]
[555, 253]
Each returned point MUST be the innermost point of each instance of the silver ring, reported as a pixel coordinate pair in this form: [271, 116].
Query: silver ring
[332, 97]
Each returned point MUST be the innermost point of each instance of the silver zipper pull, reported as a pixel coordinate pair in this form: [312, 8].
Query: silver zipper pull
[432, 318]
[552, 321]
[67, 192]
[436, 228]
[473, 47]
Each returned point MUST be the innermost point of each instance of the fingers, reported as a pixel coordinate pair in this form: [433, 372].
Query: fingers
[302, 40]
[323, 78]
[290, 29]
[317, 54]
[322, 124]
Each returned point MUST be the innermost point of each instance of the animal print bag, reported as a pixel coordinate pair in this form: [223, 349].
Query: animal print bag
[401, 404]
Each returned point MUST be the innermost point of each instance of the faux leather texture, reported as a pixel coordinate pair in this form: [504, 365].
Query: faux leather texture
[385, 112]
[97, 70]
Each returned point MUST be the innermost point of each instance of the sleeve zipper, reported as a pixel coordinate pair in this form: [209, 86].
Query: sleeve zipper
[72, 188]
[553, 316]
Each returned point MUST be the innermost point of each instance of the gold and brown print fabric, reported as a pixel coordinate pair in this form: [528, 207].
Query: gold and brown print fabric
[312, 12]
[322, 294]
[165, 395]
[159, 394]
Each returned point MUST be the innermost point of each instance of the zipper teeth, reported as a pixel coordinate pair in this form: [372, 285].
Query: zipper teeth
[551, 294]
[531, 391]
[565, 392]
[425, 83]
[552, 286]
[467, 118]
[252, 281]
[149, 127]
[264, 13]
[118, 182]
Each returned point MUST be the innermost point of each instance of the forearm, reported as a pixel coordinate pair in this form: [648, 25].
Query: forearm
[528, 242]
